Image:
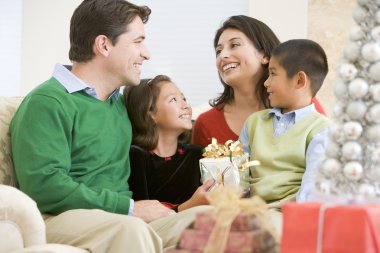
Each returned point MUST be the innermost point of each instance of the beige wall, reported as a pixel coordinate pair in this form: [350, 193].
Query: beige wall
[328, 23]
[45, 36]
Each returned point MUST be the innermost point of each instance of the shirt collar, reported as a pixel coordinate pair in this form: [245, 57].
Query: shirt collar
[73, 84]
[298, 114]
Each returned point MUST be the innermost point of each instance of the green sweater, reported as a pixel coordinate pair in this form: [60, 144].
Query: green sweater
[71, 150]
[283, 157]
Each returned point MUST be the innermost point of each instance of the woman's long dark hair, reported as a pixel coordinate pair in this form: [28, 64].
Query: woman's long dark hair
[263, 38]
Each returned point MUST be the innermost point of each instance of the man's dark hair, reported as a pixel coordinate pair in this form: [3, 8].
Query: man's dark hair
[100, 17]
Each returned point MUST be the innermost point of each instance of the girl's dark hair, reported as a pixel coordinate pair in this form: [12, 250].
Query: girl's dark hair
[264, 40]
[141, 101]
[100, 17]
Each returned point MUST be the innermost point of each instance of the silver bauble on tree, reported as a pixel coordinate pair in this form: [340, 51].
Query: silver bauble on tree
[352, 164]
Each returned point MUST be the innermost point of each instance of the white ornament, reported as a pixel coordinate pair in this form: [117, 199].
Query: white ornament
[371, 52]
[374, 71]
[347, 71]
[338, 108]
[353, 170]
[375, 92]
[340, 88]
[373, 133]
[363, 2]
[331, 167]
[336, 133]
[352, 130]
[358, 88]
[324, 187]
[359, 14]
[374, 113]
[352, 150]
[375, 33]
[351, 51]
[377, 16]
[356, 110]
[367, 190]
[332, 149]
[356, 33]
[375, 155]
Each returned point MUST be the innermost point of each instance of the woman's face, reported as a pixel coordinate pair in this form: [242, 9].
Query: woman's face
[237, 59]
[172, 113]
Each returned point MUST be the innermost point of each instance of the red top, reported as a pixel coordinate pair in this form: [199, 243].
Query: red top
[212, 123]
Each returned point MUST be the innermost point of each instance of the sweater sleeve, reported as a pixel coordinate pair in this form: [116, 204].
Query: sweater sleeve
[41, 135]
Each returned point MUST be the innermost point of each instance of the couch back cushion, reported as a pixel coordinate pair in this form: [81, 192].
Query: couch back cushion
[8, 106]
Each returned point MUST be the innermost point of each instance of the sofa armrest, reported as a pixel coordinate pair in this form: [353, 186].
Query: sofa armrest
[18, 212]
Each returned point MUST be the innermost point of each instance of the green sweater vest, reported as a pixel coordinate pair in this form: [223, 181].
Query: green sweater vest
[72, 150]
[283, 158]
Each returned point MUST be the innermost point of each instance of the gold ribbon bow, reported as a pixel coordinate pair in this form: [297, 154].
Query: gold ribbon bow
[227, 205]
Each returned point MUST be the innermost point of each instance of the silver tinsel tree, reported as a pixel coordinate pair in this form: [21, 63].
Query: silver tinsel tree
[352, 164]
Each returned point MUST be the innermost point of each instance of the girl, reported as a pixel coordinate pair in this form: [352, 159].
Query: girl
[162, 167]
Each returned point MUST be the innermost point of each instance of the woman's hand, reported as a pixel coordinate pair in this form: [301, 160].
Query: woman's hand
[199, 196]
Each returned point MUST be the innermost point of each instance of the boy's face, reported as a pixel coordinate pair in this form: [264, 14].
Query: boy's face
[281, 88]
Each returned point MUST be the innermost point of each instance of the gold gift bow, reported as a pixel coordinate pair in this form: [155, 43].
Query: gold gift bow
[228, 205]
[217, 150]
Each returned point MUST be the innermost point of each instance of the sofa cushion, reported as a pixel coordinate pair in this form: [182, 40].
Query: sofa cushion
[8, 106]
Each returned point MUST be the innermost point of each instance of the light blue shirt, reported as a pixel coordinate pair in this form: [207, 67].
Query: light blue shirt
[315, 151]
[73, 84]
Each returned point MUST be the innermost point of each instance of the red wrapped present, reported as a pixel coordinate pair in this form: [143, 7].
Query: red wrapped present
[243, 222]
[237, 242]
[330, 228]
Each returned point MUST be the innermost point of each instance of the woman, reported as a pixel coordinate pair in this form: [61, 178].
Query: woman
[243, 47]
[162, 167]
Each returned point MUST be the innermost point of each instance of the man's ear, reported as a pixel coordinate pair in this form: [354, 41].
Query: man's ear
[102, 45]
[302, 80]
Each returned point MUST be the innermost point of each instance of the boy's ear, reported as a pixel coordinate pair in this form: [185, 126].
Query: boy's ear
[302, 80]
[101, 45]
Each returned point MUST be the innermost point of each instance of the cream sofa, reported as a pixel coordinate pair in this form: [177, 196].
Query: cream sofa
[22, 228]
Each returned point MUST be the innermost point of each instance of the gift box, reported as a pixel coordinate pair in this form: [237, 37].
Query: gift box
[318, 227]
[224, 163]
[220, 169]
[243, 222]
[234, 225]
[237, 242]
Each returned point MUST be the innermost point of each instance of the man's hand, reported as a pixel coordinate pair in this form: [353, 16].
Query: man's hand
[150, 210]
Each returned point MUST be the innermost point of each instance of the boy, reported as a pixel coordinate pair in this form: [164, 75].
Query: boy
[289, 139]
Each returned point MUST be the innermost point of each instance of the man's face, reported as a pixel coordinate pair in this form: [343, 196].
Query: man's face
[128, 53]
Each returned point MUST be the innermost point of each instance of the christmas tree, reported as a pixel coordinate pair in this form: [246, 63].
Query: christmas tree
[352, 164]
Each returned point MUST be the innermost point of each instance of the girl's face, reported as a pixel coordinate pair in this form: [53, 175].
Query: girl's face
[237, 59]
[172, 113]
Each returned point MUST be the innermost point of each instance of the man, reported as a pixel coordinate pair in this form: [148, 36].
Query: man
[71, 138]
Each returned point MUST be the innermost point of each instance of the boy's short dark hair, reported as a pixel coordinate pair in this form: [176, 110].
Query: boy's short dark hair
[100, 17]
[303, 55]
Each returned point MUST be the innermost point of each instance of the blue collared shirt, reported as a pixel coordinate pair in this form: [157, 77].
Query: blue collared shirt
[315, 151]
[73, 84]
